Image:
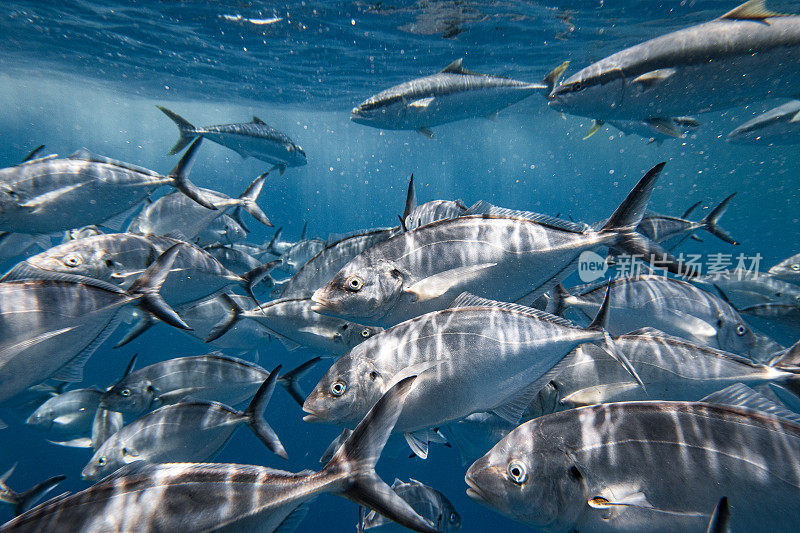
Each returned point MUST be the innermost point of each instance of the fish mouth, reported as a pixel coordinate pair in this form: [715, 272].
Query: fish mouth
[318, 299]
[312, 418]
[473, 491]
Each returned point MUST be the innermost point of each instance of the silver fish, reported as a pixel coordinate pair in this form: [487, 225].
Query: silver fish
[172, 215]
[234, 259]
[242, 338]
[478, 355]
[50, 328]
[654, 130]
[184, 432]
[212, 377]
[744, 288]
[299, 253]
[747, 54]
[504, 255]
[250, 139]
[788, 269]
[428, 502]
[453, 94]
[415, 215]
[315, 272]
[67, 415]
[671, 368]
[293, 322]
[225, 229]
[778, 126]
[278, 247]
[51, 195]
[660, 228]
[203, 497]
[669, 305]
[120, 258]
[654, 466]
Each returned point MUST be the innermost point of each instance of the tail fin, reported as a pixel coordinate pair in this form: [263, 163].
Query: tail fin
[22, 501]
[622, 224]
[559, 300]
[255, 415]
[234, 315]
[250, 195]
[257, 275]
[185, 128]
[146, 288]
[359, 453]
[236, 215]
[600, 323]
[289, 380]
[180, 175]
[270, 249]
[710, 221]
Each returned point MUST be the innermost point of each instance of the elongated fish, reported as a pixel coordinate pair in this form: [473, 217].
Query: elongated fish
[120, 258]
[654, 130]
[212, 377]
[744, 288]
[672, 306]
[195, 497]
[189, 431]
[748, 54]
[250, 139]
[647, 466]
[428, 502]
[299, 253]
[778, 126]
[671, 368]
[453, 94]
[661, 228]
[296, 325]
[503, 255]
[50, 328]
[49, 195]
[478, 355]
[244, 337]
[67, 415]
[315, 272]
[171, 215]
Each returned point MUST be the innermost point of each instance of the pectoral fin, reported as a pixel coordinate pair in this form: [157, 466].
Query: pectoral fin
[691, 325]
[796, 118]
[652, 79]
[635, 499]
[596, 125]
[665, 126]
[438, 284]
[37, 202]
[422, 102]
[602, 393]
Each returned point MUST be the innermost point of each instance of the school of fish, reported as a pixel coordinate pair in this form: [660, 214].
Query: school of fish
[643, 399]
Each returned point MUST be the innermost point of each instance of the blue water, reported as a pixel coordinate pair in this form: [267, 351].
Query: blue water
[89, 73]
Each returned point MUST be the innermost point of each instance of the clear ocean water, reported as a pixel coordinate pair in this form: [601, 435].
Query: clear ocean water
[87, 73]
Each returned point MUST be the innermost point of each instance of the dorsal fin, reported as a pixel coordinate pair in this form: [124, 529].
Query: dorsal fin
[752, 10]
[466, 299]
[456, 68]
[485, 208]
[740, 395]
[257, 120]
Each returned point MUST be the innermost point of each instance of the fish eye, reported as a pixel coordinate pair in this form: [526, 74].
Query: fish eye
[354, 283]
[517, 472]
[453, 517]
[366, 333]
[796, 267]
[72, 260]
[101, 461]
[338, 388]
[125, 392]
[373, 375]
[778, 294]
[577, 86]
[741, 330]
[12, 194]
